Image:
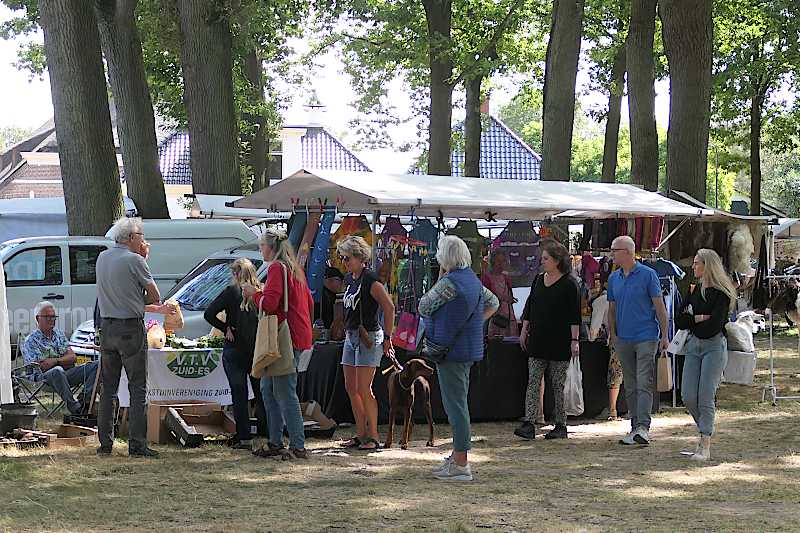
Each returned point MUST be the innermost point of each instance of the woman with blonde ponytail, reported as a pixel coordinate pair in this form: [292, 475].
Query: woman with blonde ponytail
[280, 391]
[239, 326]
[705, 312]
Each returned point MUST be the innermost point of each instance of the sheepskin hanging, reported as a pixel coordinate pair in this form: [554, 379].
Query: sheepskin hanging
[741, 248]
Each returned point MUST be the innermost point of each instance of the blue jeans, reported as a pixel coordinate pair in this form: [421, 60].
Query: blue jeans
[702, 373]
[62, 381]
[638, 366]
[454, 388]
[283, 408]
[237, 369]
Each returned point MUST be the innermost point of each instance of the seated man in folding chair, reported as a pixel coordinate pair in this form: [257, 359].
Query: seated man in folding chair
[53, 361]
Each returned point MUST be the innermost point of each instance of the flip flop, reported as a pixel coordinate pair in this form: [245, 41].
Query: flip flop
[365, 446]
[354, 442]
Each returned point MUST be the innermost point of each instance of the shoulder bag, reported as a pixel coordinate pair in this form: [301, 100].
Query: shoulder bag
[437, 353]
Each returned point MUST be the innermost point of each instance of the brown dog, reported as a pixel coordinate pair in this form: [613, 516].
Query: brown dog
[401, 399]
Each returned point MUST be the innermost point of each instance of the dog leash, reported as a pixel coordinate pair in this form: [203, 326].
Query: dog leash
[395, 364]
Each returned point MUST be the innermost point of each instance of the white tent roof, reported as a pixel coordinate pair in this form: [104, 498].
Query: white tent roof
[787, 228]
[364, 192]
[219, 205]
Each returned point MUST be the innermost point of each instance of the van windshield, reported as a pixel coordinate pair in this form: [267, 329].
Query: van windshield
[203, 284]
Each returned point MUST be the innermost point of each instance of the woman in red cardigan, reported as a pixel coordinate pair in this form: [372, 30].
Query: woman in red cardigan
[279, 386]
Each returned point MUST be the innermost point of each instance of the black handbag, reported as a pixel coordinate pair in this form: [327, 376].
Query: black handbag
[436, 352]
[500, 321]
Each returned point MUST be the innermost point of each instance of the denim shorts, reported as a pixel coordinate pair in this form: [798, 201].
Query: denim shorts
[356, 354]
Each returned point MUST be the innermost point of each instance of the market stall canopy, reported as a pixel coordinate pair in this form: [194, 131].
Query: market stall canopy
[364, 192]
[787, 228]
[718, 215]
[221, 206]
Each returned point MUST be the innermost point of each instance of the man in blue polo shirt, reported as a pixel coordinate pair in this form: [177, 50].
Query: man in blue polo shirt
[637, 323]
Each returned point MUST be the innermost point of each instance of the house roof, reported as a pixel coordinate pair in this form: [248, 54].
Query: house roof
[320, 149]
[503, 154]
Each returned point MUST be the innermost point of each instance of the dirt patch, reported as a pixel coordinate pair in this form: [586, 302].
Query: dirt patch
[586, 483]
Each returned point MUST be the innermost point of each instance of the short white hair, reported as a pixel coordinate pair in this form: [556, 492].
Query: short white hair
[453, 254]
[123, 228]
[41, 306]
[625, 242]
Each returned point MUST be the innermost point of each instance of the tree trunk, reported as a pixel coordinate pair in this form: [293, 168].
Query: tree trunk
[688, 37]
[611, 144]
[756, 108]
[438, 14]
[561, 68]
[89, 171]
[206, 59]
[641, 94]
[472, 128]
[122, 48]
[256, 135]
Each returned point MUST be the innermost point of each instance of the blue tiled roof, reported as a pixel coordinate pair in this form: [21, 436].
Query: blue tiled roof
[174, 159]
[503, 154]
[319, 149]
[322, 150]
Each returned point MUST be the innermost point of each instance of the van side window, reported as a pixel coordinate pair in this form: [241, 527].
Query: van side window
[35, 267]
[82, 262]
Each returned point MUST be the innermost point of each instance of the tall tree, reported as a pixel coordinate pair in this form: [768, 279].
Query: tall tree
[758, 53]
[613, 117]
[438, 16]
[472, 128]
[89, 172]
[641, 94]
[207, 63]
[122, 48]
[254, 134]
[561, 68]
[688, 42]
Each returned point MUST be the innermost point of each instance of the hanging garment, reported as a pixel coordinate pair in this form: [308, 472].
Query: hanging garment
[760, 287]
[520, 242]
[425, 231]
[319, 255]
[391, 228]
[310, 233]
[352, 225]
[297, 226]
[589, 267]
[631, 228]
[639, 230]
[656, 232]
[646, 225]
[467, 230]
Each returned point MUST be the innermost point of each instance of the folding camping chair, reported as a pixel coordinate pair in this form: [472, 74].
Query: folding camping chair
[26, 390]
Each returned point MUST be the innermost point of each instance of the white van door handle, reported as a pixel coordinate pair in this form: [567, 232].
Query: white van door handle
[53, 296]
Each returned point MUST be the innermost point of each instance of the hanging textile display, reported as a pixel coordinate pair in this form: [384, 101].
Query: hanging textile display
[356, 225]
[520, 242]
[309, 234]
[467, 230]
[425, 231]
[319, 255]
[393, 233]
[297, 226]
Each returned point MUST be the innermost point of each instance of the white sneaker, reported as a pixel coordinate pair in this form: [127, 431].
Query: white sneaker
[453, 472]
[642, 436]
[444, 465]
[628, 439]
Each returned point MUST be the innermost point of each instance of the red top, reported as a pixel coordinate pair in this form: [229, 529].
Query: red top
[301, 304]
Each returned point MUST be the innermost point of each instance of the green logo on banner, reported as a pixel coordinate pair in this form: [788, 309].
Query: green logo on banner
[193, 364]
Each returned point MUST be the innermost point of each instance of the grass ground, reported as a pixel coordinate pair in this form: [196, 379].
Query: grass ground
[587, 483]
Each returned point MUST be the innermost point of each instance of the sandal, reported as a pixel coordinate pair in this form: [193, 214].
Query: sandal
[354, 442]
[369, 444]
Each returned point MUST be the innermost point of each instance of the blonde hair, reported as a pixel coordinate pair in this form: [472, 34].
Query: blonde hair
[714, 276]
[354, 246]
[243, 272]
[279, 243]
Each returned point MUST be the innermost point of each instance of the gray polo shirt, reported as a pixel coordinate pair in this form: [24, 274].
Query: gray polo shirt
[121, 279]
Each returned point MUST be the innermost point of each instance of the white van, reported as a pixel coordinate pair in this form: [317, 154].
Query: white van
[62, 269]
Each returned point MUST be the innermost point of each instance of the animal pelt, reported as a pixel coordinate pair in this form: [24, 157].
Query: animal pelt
[741, 248]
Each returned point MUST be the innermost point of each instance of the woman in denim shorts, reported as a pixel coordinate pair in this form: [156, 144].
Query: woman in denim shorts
[366, 342]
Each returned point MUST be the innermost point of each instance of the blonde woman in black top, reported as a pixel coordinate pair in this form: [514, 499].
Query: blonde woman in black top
[705, 313]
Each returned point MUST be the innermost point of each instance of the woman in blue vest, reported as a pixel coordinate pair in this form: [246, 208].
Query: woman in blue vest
[454, 311]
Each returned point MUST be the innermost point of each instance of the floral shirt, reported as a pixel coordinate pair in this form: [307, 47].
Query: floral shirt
[38, 347]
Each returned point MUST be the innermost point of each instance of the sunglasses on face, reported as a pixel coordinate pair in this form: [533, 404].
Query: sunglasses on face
[48, 317]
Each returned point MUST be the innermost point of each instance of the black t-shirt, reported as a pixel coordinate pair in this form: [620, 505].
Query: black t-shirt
[715, 304]
[358, 302]
[552, 311]
[324, 308]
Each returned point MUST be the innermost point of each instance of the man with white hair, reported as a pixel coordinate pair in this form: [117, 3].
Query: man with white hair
[53, 361]
[637, 325]
[124, 287]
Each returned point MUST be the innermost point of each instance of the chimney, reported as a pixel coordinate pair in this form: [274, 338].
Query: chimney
[485, 105]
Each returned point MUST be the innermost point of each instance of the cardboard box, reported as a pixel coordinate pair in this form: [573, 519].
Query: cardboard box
[191, 430]
[157, 431]
[68, 435]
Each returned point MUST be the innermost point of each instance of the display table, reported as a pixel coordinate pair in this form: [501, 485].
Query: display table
[182, 375]
[497, 384]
